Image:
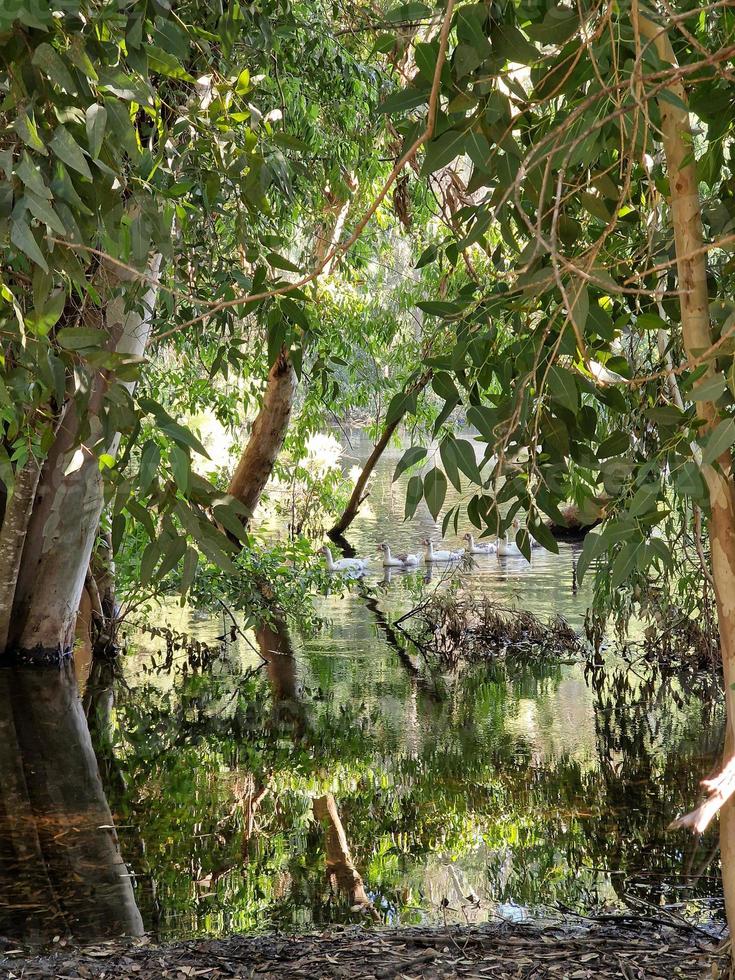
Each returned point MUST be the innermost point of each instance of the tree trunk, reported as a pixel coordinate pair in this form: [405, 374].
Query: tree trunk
[12, 538]
[359, 494]
[62, 872]
[266, 438]
[271, 425]
[697, 336]
[66, 510]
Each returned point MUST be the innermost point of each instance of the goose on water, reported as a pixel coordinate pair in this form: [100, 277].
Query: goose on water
[398, 561]
[506, 547]
[474, 548]
[344, 564]
[432, 554]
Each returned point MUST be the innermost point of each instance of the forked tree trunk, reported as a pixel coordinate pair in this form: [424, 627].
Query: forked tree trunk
[267, 436]
[697, 336]
[360, 492]
[63, 522]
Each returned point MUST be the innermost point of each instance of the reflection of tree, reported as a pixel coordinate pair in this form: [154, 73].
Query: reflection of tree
[286, 690]
[341, 870]
[642, 784]
[527, 824]
[60, 863]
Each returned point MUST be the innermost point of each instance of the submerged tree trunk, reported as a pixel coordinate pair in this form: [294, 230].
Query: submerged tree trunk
[360, 493]
[267, 436]
[60, 529]
[697, 336]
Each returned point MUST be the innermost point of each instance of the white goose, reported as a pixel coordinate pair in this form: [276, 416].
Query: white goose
[473, 548]
[398, 561]
[507, 548]
[344, 564]
[431, 554]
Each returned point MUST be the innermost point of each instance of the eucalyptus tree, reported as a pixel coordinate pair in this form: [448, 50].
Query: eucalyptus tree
[120, 128]
[596, 349]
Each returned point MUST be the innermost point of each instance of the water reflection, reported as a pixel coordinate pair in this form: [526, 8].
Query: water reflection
[61, 871]
[341, 778]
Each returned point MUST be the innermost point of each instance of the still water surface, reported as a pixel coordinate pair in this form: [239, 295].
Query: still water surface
[338, 783]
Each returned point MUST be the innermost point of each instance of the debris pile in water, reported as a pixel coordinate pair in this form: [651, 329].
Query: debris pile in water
[455, 629]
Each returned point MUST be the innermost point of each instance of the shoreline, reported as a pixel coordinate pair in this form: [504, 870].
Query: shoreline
[627, 947]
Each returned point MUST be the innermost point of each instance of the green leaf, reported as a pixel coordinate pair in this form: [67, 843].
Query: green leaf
[189, 570]
[650, 321]
[719, 441]
[644, 500]
[180, 467]
[615, 445]
[411, 456]
[69, 152]
[151, 554]
[524, 543]
[440, 308]
[467, 461]
[25, 127]
[710, 389]
[22, 237]
[580, 306]
[52, 66]
[118, 532]
[31, 177]
[625, 562]
[44, 317]
[404, 99]
[444, 149]
[42, 210]
[594, 545]
[449, 456]
[542, 534]
[510, 44]
[183, 436]
[414, 493]
[408, 12]
[435, 490]
[80, 338]
[173, 552]
[149, 460]
[96, 120]
[427, 256]
[563, 387]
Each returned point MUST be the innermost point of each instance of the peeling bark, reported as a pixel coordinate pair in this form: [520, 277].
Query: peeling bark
[267, 436]
[360, 493]
[697, 336]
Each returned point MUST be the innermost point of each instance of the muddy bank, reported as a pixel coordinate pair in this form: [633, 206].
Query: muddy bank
[621, 948]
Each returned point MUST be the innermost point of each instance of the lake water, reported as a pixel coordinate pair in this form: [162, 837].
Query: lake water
[344, 781]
